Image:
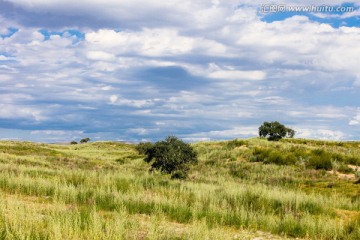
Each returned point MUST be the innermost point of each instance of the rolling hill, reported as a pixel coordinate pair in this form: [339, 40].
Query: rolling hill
[240, 189]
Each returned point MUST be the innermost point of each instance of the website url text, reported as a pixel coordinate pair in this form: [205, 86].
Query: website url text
[276, 8]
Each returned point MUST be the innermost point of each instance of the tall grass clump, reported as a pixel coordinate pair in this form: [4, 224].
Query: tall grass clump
[319, 159]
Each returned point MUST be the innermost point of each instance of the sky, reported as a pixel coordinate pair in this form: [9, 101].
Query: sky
[201, 70]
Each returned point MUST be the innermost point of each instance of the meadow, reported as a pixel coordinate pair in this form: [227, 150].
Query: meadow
[240, 189]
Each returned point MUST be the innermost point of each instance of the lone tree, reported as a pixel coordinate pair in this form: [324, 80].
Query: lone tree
[171, 156]
[274, 131]
[84, 140]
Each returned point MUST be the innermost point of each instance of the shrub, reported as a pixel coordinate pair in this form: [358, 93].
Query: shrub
[280, 158]
[275, 157]
[352, 160]
[171, 156]
[320, 159]
[260, 155]
[84, 140]
[143, 147]
[235, 143]
[73, 143]
[345, 169]
[179, 174]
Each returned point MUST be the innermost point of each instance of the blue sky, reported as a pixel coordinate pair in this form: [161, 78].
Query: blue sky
[200, 70]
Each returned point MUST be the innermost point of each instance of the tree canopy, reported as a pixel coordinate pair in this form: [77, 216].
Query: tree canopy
[274, 131]
[84, 140]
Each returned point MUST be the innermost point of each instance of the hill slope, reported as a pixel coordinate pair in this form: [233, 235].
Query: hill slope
[240, 189]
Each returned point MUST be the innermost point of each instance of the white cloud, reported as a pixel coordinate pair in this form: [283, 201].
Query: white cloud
[356, 119]
[143, 131]
[11, 111]
[190, 98]
[198, 14]
[323, 134]
[152, 42]
[3, 58]
[5, 78]
[99, 55]
[248, 131]
[121, 101]
[278, 100]
[113, 99]
[56, 132]
[236, 74]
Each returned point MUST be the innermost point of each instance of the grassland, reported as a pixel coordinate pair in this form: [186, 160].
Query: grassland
[240, 189]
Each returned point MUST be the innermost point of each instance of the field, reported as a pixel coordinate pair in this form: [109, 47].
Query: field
[240, 189]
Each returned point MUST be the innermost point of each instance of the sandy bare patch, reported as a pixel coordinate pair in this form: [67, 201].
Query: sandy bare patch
[348, 176]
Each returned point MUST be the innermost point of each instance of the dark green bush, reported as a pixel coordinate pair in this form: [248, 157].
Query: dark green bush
[275, 158]
[352, 160]
[274, 131]
[179, 174]
[143, 147]
[268, 156]
[280, 158]
[260, 154]
[84, 140]
[338, 157]
[171, 156]
[345, 169]
[320, 159]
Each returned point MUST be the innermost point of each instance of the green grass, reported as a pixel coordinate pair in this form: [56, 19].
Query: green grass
[240, 189]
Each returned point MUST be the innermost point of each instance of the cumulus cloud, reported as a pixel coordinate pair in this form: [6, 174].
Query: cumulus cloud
[116, 100]
[324, 134]
[56, 132]
[99, 14]
[236, 74]
[10, 111]
[100, 56]
[235, 132]
[152, 42]
[356, 119]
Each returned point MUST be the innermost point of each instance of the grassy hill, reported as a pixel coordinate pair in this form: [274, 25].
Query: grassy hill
[241, 189]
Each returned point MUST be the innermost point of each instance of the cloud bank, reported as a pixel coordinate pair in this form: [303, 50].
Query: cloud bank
[196, 69]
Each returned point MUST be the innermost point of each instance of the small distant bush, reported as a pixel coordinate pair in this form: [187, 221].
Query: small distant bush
[235, 143]
[73, 142]
[345, 169]
[352, 160]
[269, 156]
[338, 157]
[281, 159]
[171, 156]
[84, 140]
[120, 160]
